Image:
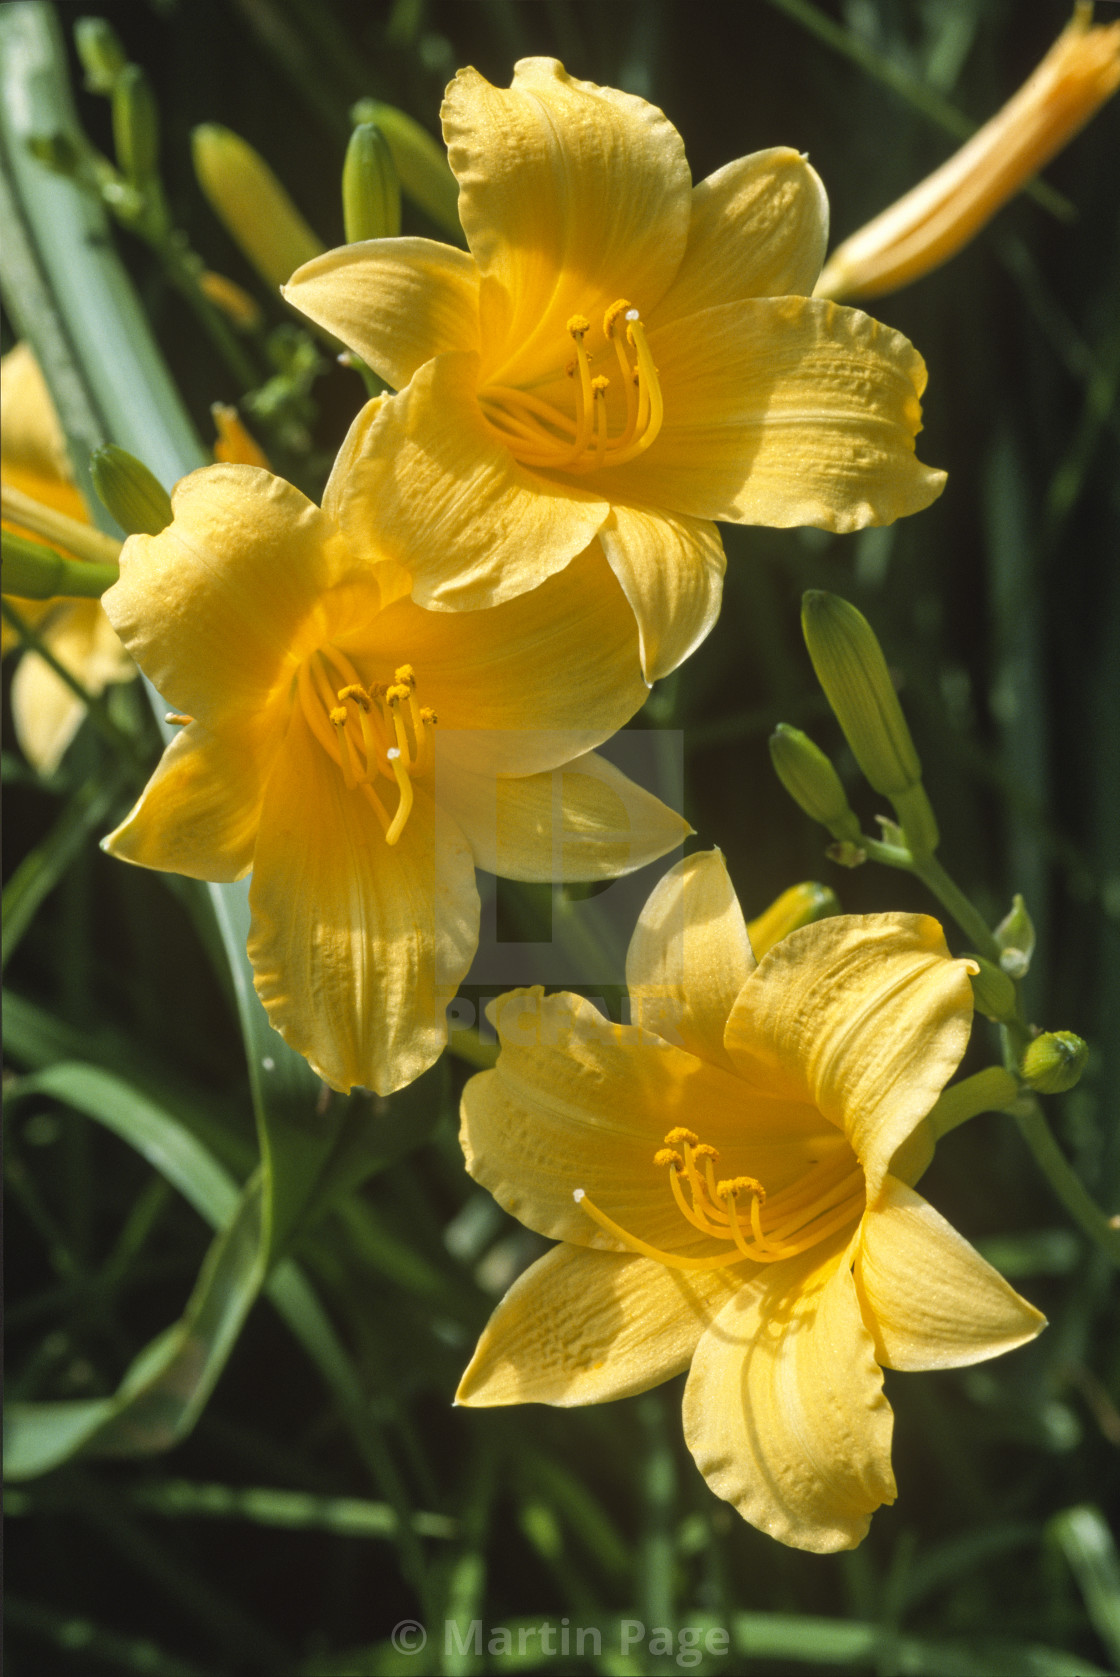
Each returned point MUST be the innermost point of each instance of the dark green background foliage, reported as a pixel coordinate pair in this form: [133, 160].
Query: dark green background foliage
[267, 1542]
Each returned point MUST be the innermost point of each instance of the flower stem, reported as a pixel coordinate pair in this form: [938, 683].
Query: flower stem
[95, 707]
[991, 1090]
[1085, 1212]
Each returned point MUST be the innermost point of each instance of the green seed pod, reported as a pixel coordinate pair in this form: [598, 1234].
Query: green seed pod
[128, 490]
[812, 782]
[1054, 1061]
[371, 188]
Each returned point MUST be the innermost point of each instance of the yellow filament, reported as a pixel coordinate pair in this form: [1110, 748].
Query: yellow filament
[675, 1260]
[338, 722]
[404, 808]
[539, 434]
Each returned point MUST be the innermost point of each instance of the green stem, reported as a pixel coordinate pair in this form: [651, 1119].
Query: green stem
[98, 713]
[971, 922]
[991, 1090]
[1085, 1212]
[33, 571]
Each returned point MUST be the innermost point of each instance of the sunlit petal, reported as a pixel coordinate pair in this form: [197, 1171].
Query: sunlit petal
[784, 411]
[359, 985]
[867, 1016]
[759, 228]
[929, 1299]
[589, 1327]
[784, 1409]
[671, 570]
[437, 492]
[220, 607]
[583, 821]
[689, 957]
[571, 196]
[397, 302]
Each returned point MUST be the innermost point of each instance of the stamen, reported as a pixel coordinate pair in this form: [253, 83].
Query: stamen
[338, 723]
[404, 808]
[176, 719]
[679, 1135]
[675, 1260]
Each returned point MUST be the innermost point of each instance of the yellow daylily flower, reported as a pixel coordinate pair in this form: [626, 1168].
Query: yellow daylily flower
[620, 354]
[46, 714]
[731, 1180]
[361, 756]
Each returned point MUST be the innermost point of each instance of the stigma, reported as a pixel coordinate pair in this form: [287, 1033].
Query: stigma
[736, 1211]
[618, 405]
[376, 734]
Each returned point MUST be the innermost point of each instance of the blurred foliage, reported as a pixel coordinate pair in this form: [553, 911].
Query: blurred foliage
[328, 1491]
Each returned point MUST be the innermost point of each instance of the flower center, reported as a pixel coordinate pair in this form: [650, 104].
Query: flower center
[370, 732]
[815, 1206]
[539, 434]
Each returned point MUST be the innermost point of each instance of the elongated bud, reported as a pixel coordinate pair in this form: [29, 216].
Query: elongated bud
[853, 672]
[421, 162]
[236, 304]
[799, 906]
[1015, 936]
[940, 215]
[371, 188]
[1054, 1061]
[129, 491]
[135, 125]
[101, 54]
[252, 205]
[992, 990]
[812, 782]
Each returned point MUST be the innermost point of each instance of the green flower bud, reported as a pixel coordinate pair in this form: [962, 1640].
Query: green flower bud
[846, 855]
[1015, 936]
[1054, 1061]
[251, 204]
[135, 125]
[127, 489]
[853, 672]
[799, 906]
[420, 161]
[812, 782]
[992, 990]
[101, 54]
[371, 188]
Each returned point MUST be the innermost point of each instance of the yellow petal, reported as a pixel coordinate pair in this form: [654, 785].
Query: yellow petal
[784, 1410]
[198, 814]
[585, 820]
[929, 1299]
[671, 570]
[220, 607]
[689, 957]
[589, 1327]
[397, 302]
[571, 196]
[867, 1016]
[578, 1102]
[33, 455]
[759, 228]
[526, 685]
[46, 712]
[784, 411]
[433, 489]
[356, 945]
